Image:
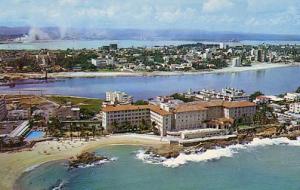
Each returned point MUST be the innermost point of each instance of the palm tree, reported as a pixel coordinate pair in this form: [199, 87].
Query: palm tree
[114, 126]
[1, 144]
[93, 130]
[101, 129]
[71, 131]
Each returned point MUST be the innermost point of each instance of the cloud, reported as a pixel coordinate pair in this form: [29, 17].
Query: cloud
[216, 5]
[265, 16]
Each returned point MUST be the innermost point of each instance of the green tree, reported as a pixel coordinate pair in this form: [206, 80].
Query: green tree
[255, 95]
[141, 102]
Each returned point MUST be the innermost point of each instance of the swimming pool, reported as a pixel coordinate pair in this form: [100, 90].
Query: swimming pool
[33, 135]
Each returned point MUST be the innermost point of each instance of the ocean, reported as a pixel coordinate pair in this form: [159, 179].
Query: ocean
[262, 165]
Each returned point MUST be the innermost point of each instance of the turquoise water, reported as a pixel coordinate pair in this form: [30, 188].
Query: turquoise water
[263, 168]
[32, 135]
[270, 81]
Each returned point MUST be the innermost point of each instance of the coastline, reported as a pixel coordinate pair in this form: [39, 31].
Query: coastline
[16, 163]
[62, 75]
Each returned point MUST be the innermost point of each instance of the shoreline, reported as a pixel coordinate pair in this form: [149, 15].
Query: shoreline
[62, 75]
[25, 161]
[14, 164]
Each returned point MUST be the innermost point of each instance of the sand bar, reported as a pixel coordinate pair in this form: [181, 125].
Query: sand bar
[254, 67]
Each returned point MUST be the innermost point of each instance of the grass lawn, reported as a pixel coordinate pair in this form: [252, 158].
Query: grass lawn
[245, 127]
[90, 104]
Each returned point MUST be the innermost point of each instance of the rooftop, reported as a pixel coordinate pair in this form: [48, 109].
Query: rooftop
[153, 108]
[189, 108]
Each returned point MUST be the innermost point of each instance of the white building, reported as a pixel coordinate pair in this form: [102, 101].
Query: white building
[292, 97]
[99, 62]
[295, 108]
[227, 94]
[118, 97]
[18, 114]
[236, 62]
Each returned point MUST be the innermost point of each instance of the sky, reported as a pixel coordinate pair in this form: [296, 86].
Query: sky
[248, 16]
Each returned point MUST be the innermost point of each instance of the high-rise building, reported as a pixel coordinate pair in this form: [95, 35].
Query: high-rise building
[236, 62]
[113, 46]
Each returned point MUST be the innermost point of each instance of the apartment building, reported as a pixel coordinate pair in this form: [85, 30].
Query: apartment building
[14, 115]
[3, 110]
[292, 97]
[295, 108]
[118, 97]
[67, 112]
[227, 94]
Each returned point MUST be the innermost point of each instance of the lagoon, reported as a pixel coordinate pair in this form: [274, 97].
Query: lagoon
[270, 81]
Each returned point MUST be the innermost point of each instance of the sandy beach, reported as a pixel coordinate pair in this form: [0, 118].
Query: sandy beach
[14, 164]
[254, 67]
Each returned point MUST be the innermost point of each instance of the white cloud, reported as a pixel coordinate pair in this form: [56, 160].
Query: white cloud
[174, 15]
[216, 5]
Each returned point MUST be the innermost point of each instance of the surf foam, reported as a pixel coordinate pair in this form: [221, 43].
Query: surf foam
[213, 154]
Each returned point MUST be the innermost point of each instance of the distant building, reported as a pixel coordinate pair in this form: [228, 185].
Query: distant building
[99, 62]
[3, 110]
[295, 108]
[261, 55]
[113, 46]
[118, 97]
[18, 115]
[262, 100]
[236, 62]
[227, 94]
[68, 112]
[292, 97]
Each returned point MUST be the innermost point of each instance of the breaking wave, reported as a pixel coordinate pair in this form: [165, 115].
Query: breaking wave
[59, 186]
[213, 154]
[98, 163]
[32, 168]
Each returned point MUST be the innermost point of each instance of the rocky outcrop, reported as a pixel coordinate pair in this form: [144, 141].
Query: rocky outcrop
[167, 151]
[85, 158]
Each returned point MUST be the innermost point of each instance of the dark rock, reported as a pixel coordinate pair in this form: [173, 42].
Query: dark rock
[84, 159]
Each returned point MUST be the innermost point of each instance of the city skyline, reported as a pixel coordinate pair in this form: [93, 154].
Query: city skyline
[249, 16]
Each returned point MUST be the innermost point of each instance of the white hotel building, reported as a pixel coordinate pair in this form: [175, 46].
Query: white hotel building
[188, 116]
